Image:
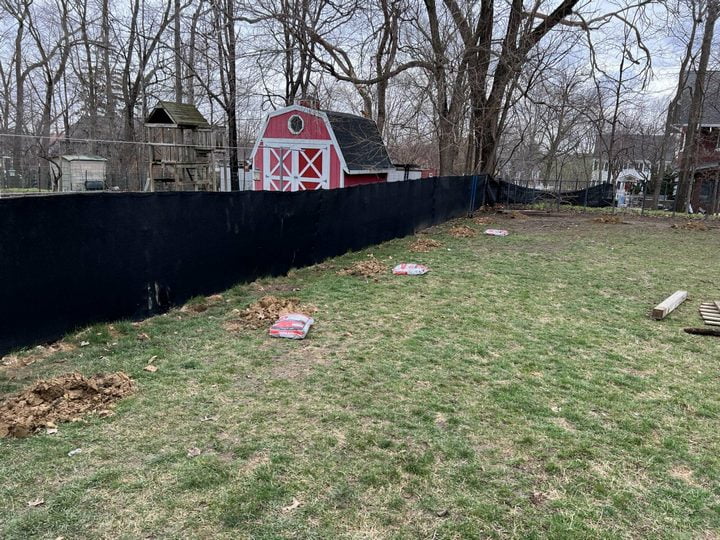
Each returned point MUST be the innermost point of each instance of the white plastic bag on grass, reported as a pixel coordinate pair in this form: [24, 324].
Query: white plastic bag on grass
[496, 232]
[410, 269]
[292, 326]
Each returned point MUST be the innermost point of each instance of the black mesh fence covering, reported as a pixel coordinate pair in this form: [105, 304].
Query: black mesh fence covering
[501, 192]
[71, 260]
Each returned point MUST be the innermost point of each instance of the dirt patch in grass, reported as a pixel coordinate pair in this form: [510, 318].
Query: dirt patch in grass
[17, 361]
[462, 231]
[423, 245]
[608, 219]
[481, 220]
[61, 399]
[691, 226]
[518, 215]
[266, 310]
[368, 268]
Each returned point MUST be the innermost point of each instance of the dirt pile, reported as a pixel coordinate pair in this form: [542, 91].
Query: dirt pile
[462, 231]
[691, 226]
[481, 220]
[608, 219]
[15, 361]
[370, 267]
[266, 310]
[518, 215]
[61, 399]
[423, 245]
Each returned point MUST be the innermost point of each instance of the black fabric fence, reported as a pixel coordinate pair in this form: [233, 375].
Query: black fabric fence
[501, 192]
[71, 260]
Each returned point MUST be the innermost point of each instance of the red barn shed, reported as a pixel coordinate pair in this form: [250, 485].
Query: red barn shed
[303, 148]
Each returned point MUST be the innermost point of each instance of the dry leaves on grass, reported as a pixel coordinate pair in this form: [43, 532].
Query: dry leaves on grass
[15, 361]
[368, 268]
[608, 219]
[462, 231]
[61, 399]
[691, 226]
[266, 311]
[518, 215]
[423, 245]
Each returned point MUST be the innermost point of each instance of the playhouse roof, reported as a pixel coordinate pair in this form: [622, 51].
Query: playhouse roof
[359, 141]
[182, 114]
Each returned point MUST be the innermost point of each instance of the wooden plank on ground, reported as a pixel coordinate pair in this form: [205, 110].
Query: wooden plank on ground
[703, 331]
[670, 304]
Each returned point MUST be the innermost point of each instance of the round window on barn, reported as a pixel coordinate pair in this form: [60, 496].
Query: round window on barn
[295, 124]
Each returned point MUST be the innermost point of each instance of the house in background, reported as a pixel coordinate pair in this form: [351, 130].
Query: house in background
[707, 160]
[78, 172]
[301, 147]
[634, 158]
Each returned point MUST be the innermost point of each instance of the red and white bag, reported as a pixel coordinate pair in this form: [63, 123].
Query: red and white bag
[496, 232]
[410, 269]
[292, 326]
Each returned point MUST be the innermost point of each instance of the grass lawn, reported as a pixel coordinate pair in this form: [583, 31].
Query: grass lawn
[517, 390]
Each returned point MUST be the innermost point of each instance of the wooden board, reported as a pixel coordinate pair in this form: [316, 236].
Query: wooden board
[670, 304]
[710, 313]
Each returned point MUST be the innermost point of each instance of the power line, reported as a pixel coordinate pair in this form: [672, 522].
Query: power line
[57, 139]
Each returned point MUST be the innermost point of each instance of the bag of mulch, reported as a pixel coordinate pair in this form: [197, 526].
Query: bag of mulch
[496, 232]
[292, 326]
[410, 269]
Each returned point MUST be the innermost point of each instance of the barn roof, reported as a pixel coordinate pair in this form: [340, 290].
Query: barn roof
[360, 142]
[710, 115]
[182, 114]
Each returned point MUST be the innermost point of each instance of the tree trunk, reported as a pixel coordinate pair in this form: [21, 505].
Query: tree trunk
[688, 159]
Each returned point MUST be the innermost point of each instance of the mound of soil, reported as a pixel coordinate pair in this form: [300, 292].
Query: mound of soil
[61, 399]
[15, 361]
[370, 267]
[423, 245]
[691, 226]
[266, 311]
[608, 219]
[518, 215]
[481, 220]
[462, 231]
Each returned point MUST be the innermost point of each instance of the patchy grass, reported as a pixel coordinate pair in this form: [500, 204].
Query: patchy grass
[518, 390]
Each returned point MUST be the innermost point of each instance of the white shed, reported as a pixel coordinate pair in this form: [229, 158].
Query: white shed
[79, 172]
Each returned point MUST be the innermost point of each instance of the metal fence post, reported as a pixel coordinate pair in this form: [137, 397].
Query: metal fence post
[642, 206]
[559, 189]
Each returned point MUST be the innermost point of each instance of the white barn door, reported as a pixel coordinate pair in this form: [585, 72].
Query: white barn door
[296, 166]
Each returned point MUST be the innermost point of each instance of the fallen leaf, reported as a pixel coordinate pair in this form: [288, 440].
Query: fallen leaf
[52, 431]
[36, 502]
[142, 336]
[152, 358]
[84, 343]
[150, 368]
[442, 513]
[194, 452]
[295, 503]
[71, 453]
[208, 419]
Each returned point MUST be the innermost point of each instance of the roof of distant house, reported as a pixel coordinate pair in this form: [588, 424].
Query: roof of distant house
[633, 146]
[710, 115]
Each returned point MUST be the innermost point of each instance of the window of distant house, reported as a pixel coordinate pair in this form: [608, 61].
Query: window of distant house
[296, 124]
[605, 166]
[595, 165]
